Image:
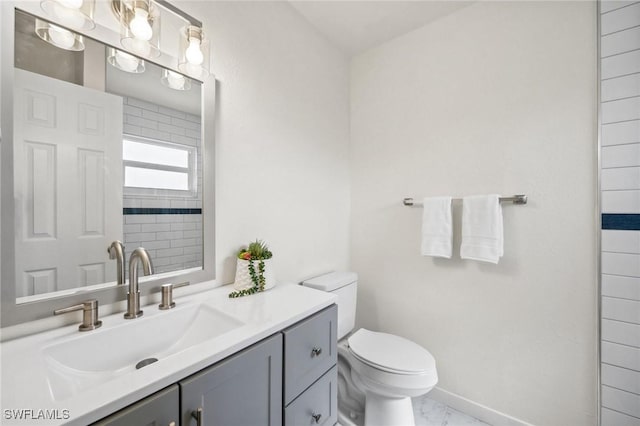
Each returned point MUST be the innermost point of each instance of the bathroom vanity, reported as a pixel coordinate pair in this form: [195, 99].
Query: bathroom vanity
[247, 388]
[267, 359]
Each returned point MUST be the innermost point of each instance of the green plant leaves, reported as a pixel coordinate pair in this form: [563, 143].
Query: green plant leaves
[256, 250]
[258, 280]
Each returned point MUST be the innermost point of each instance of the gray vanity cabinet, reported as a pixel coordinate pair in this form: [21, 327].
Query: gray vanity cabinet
[310, 371]
[161, 408]
[243, 390]
[287, 379]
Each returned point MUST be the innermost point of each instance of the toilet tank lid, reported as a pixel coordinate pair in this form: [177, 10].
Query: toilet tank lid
[331, 281]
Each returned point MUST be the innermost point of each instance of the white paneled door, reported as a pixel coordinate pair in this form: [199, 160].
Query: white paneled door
[68, 183]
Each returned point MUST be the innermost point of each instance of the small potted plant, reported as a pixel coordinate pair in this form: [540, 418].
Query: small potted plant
[254, 272]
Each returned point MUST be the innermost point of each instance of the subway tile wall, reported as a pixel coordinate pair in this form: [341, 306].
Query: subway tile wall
[620, 186]
[173, 239]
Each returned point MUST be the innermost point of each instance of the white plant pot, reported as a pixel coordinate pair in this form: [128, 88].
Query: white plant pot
[243, 278]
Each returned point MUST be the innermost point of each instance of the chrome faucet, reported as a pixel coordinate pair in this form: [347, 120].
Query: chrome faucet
[138, 256]
[116, 251]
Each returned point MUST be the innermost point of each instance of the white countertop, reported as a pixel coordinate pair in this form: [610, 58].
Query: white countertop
[26, 384]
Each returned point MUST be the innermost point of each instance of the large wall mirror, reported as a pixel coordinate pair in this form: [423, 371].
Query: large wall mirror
[98, 146]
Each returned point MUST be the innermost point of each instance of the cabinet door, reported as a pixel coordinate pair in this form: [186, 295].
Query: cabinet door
[309, 351]
[160, 409]
[243, 390]
[317, 405]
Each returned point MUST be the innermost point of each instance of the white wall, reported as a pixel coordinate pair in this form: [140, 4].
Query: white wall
[282, 133]
[499, 97]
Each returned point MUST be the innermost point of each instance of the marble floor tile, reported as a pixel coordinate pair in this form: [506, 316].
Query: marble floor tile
[428, 412]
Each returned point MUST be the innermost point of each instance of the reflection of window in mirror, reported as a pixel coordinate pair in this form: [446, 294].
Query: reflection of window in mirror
[162, 179]
[162, 199]
[152, 167]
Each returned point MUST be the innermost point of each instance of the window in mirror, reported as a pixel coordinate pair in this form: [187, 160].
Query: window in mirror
[155, 178]
[153, 165]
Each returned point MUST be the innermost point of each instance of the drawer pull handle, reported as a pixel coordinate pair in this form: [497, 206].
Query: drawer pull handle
[198, 416]
[316, 417]
[316, 352]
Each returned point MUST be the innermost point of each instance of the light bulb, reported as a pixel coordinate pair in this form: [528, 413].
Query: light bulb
[175, 80]
[126, 62]
[139, 25]
[193, 54]
[71, 4]
[61, 37]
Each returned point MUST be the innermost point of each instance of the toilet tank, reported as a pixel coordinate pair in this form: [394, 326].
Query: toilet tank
[345, 286]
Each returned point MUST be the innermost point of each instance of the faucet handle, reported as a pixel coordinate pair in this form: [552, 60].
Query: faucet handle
[167, 295]
[89, 309]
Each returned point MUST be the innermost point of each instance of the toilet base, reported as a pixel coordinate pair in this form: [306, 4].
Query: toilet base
[385, 411]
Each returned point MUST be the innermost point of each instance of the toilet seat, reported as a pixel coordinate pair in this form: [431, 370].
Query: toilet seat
[386, 376]
[390, 353]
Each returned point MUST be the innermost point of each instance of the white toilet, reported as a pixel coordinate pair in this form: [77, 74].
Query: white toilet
[378, 373]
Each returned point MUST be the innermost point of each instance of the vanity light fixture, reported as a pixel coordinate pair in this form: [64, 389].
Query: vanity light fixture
[124, 61]
[139, 26]
[76, 14]
[175, 81]
[194, 52]
[58, 36]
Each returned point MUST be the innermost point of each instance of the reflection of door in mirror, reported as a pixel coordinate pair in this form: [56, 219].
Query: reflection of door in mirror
[68, 183]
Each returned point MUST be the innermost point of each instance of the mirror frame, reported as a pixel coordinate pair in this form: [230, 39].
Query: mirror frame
[12, 313]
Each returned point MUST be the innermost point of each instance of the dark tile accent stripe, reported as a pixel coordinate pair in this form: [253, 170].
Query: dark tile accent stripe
[132, 211]
[627, 222]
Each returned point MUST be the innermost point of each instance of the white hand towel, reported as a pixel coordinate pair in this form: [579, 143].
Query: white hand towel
[482, 232]
[436, 227]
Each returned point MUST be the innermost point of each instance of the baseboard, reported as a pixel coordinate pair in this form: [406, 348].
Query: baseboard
[479, 411]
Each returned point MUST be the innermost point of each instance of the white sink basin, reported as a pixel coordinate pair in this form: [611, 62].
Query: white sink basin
[97, 356]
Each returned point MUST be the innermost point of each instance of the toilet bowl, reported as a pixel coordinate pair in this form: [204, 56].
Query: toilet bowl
[381, 373]
[351, 400]
[378, 373]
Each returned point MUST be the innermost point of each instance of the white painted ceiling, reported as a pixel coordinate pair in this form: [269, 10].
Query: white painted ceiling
[357, 25]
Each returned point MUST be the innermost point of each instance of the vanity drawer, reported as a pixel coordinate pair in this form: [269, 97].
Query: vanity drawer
[318, 405]
[309, 351]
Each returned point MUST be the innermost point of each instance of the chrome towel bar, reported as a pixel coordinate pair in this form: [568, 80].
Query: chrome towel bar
[515, 199]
